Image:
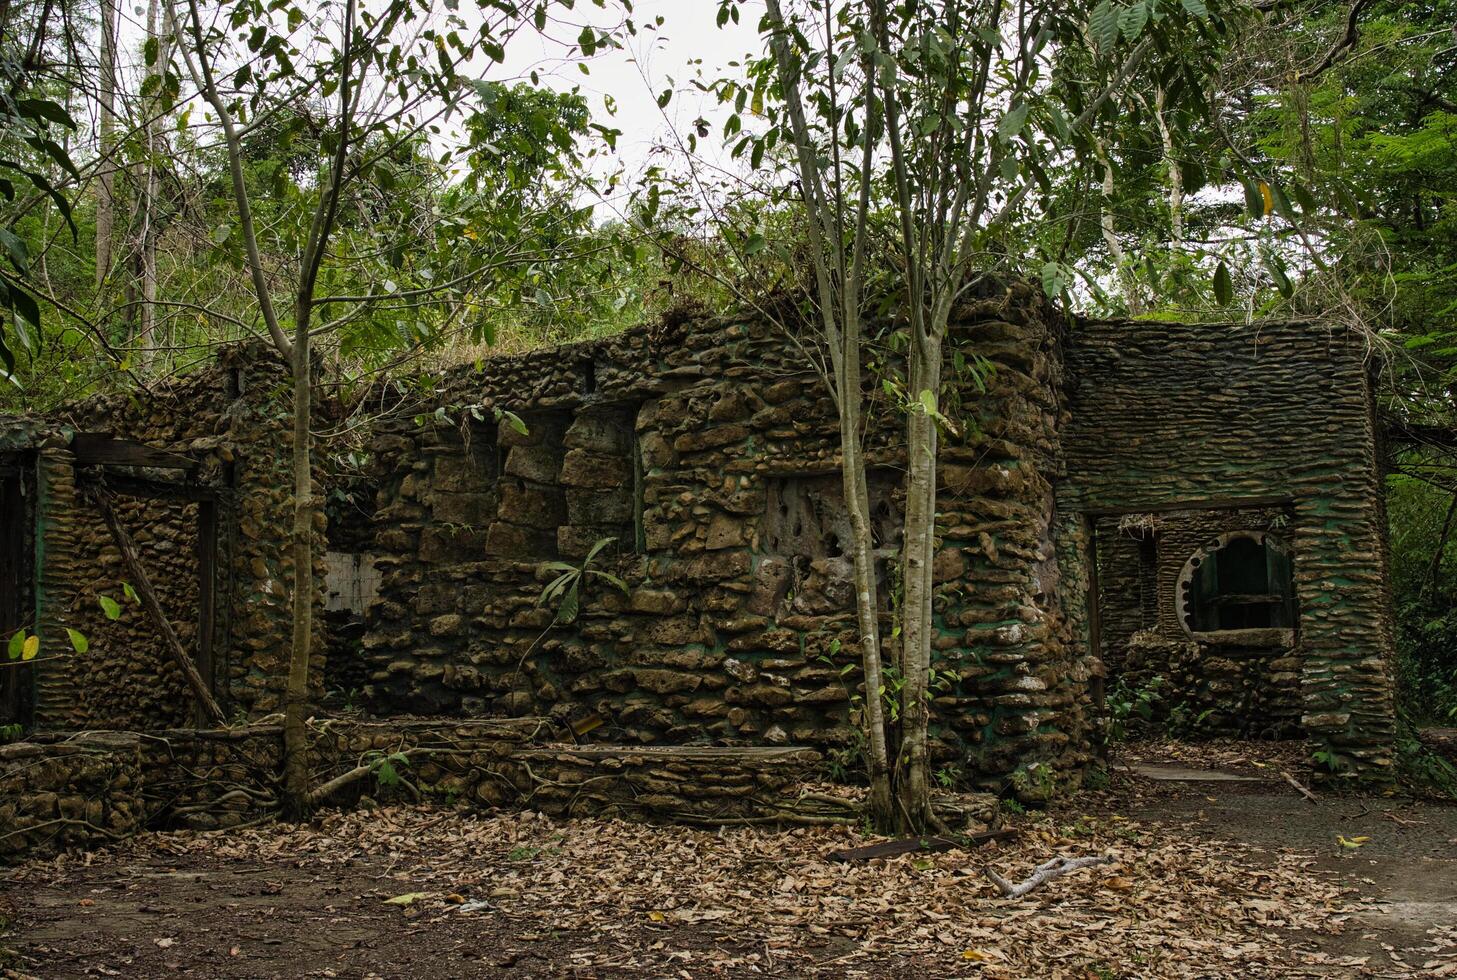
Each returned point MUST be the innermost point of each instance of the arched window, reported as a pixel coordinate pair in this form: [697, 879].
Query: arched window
[1243, 580]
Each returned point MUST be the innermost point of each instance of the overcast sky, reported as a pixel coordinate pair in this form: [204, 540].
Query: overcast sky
[631, 77]
[686, 43]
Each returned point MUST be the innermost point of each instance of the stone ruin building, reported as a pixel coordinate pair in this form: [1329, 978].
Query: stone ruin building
[1126, 500]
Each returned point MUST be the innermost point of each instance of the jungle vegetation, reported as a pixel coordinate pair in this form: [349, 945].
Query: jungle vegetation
[367, 184]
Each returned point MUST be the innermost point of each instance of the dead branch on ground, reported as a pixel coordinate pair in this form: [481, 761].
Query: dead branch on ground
[1055, 868]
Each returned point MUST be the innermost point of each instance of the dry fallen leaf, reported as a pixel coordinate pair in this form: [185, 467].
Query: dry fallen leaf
[409, 898]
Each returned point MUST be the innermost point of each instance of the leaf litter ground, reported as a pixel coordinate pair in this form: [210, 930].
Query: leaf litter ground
[1243, 883]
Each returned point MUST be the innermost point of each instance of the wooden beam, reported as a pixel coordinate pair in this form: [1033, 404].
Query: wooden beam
[207, 550]
[127, 486]
[1167, 506]
[99, 449]
[143, 587]
[912, 845]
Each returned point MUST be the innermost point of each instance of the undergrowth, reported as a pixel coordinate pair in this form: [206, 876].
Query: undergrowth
[1419, 770]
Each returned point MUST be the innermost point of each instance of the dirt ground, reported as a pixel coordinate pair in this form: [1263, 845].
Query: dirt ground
[1245, 879]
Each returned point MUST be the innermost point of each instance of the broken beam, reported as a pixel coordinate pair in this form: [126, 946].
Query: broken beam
[143, 587]
[911, 845]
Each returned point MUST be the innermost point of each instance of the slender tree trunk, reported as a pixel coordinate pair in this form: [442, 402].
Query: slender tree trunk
[158, 26]
[1110, 235]
[918, 552]
[867, 599]
[296, 695]
[1175, 170]
[106, 179]
[838, 293]
[1434, 570]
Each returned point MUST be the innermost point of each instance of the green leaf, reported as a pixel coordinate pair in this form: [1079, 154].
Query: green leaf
[514, 420]
[221, 233]
[1223, 285]
[8, 359]
[1282, 203]
[1054, 279]
[129, 592]
[1103, 25]
[571, 605]
[1197, 8]
[928, 401]
[611, 579]
[78, 639]
[16, 645]
[150, 51]
[1011, 125]
[15, 246]
[588, 41]
[25, 305]
[45, 187]
[1133, 18]
[664, 98]
[38, 109]
[1303, 198]
[1282, 280]
[1254, 200]
[597, 546]
[755, 244]
[109, 607]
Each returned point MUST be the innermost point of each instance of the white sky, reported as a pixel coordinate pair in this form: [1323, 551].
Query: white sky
[688, 41]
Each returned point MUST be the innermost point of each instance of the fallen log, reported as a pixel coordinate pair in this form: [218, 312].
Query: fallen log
[909, 845]
[1055, 868]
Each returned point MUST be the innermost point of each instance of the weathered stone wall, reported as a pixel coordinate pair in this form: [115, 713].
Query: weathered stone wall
[1168, 416]
[130, 681]
[710, 456]
[707, 450]
[1240, 687]
[81, 792]
[231, 420]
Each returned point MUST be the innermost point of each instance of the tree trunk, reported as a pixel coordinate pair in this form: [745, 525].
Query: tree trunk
[841, 291]
[296, 695]
[867, 599]
[918, 550]
[1176, 171]
[157, 27]
[1126, 281]
[106, 181]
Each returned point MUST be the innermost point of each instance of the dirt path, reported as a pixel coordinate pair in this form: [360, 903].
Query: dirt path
[1399, 858]
[1233, 879]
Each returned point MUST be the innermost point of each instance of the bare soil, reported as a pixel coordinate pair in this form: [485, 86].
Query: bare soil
[1398, 856]
[1210, 880]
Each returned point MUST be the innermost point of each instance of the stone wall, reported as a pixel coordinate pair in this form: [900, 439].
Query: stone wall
[709, 455]
[229, 422]
[81, 792]
[1245, 686]
[1168, 416]
[705, 450]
